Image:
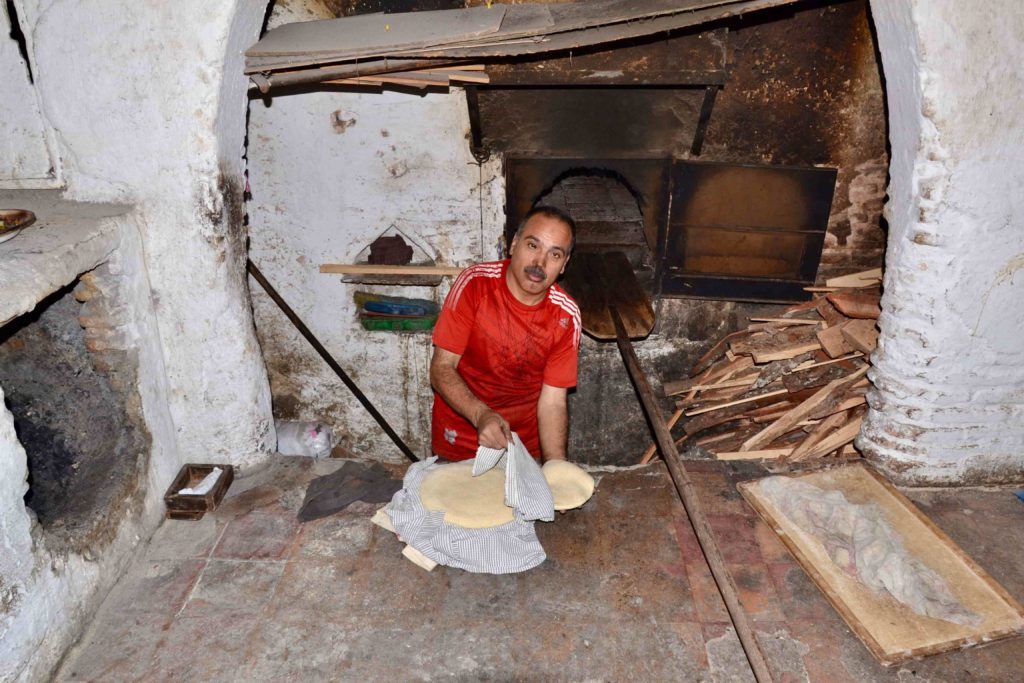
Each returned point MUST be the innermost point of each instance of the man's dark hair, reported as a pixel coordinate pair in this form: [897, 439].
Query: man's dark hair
[551, 212]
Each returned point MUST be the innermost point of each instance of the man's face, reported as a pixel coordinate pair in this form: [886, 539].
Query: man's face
[539, 255]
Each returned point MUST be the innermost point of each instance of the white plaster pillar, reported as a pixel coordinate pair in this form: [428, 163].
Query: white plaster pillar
[148, 105]
[949, 369]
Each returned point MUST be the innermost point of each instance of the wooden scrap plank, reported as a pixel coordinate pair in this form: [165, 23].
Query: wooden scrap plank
[783, 344]
[786, 321]
[861, 279]
[765, 418]
[820, 431]
[801, 307]
[816, 377]
[862, 335]
[780, 368]
[851, 356]
[716, 438]
[712, 354]
[741, 401]
[828, 312]
[861, 305]
[838, 407]
[653, 448]
[802, 411]
[765, 454]
[682, 386]
[785, 352]
[842, 436]
[716, 418]
[744, 381]
[833, 342]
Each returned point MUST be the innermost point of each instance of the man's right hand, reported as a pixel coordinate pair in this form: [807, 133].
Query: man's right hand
[492, 430]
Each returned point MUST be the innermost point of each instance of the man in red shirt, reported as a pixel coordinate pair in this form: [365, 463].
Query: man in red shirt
[505, 347]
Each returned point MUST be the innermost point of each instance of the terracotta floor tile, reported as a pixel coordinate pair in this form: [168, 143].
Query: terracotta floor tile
[756, 592]
[258, 536]
[228, 587]
[156, 587]
[208, 648]
[706, 597]
[313, 588]
[185, 540]
[334, 536]
[116, 647]
[624, 595]
[735, 537]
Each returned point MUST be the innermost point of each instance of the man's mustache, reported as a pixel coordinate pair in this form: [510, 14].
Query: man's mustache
[535, 271]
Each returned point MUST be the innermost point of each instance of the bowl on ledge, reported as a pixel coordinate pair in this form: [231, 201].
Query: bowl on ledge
[12, 221]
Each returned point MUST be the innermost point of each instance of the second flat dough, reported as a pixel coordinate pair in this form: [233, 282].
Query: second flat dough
[571, 485]
[467, 501]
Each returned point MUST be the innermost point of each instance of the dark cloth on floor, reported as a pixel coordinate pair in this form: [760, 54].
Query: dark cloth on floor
[368, 482]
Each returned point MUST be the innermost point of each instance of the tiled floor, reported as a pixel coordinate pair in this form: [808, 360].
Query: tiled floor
[249, 594]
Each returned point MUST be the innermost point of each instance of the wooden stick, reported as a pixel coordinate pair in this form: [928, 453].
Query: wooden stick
[768, 454]
[865, 277]
[705, 361]
[373, 269]
[649, 453]
[742, 381]
[851, 402]
[785, 352]
[736, 403]
[714, 439]
[828, 362]
[786, 321]
[787, 421]
[838, 438]
[712, 373]
[817, 434]
[691, 503]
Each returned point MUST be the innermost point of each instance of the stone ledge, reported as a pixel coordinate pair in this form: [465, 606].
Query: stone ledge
[66, 240]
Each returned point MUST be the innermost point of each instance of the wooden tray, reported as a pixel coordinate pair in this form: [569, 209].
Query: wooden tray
[193, 507]
[892, 632]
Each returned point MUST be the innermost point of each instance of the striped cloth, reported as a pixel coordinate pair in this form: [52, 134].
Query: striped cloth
[526, 490]
[505, 549]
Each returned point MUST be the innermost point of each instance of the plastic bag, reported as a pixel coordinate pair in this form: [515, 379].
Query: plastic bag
[311, 439]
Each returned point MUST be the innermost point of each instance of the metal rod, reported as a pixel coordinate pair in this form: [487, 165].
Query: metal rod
[328, 358]
[702, 122]
[476, 142]
[694, 510]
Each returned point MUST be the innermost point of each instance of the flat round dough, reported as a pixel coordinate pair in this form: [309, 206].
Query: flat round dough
[468, 501]
[571, 486]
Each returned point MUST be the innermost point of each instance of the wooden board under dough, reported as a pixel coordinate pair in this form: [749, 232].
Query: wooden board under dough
[891, 631]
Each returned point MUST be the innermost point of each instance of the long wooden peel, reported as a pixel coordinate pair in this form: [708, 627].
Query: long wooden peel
[603, 285]
[690, 501]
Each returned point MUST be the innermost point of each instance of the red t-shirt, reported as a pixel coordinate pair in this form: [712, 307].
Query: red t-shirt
[508, 351]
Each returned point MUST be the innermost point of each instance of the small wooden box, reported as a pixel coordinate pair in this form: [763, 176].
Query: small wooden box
[194, 507]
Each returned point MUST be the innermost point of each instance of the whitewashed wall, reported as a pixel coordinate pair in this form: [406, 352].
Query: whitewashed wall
[329, 171]
[147, 103]
[950, 367]
[26, 149]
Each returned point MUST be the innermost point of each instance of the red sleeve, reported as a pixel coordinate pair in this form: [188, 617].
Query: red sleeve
[455, 322]
[560, 370]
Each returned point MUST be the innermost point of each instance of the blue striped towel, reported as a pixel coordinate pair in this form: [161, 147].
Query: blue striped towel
[526, 490]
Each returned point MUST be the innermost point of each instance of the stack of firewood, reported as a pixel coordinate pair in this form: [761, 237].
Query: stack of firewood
[788, 388]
